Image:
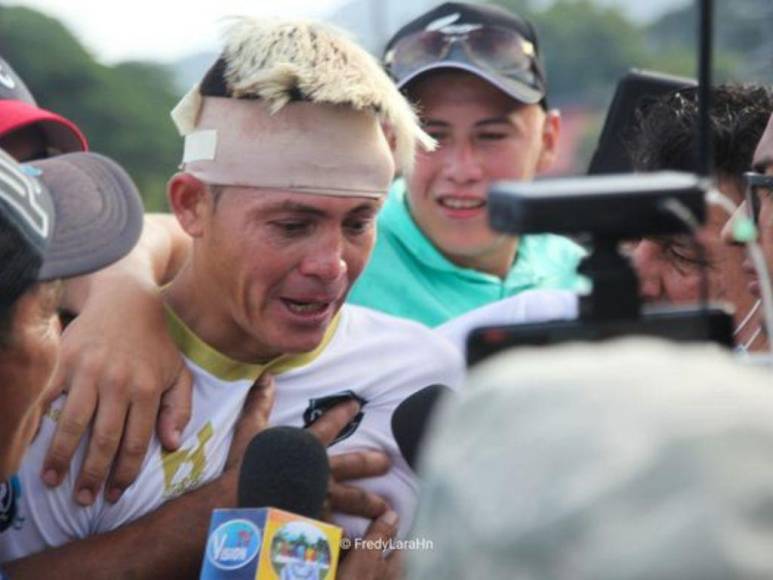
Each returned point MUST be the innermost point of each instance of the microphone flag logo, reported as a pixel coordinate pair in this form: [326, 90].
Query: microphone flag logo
[234, 544]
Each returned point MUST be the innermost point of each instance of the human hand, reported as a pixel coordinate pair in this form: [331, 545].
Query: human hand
[254, 419]
[123, 372]
[346, 498]
[365, 560]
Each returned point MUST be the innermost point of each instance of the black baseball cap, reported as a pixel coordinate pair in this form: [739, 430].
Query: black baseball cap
[509, 40]
[18, 109]
[77, 212]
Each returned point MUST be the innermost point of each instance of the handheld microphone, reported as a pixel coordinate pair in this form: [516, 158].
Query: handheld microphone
[285, 468]
[274, 533]
[410, 418]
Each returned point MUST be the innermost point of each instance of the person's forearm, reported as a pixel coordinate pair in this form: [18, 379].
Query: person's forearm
[164, 544]
[155, 260]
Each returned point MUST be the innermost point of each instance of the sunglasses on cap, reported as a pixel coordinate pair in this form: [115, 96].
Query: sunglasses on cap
[757, 186]
[497, 49]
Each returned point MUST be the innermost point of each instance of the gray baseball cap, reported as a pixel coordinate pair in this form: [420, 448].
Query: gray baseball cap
[488, 41]
[637, 459]
[78, 212]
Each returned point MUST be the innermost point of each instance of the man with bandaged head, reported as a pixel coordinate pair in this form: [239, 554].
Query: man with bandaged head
[287, 158]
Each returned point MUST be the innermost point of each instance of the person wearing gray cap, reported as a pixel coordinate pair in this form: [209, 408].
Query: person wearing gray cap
[635, 459]
[59, 218]
[28, 132]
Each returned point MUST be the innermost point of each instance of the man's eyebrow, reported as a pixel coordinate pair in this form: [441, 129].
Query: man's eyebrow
[435, 123]
[365, 208]
[302, 208]
[494, 121]
[295, 207]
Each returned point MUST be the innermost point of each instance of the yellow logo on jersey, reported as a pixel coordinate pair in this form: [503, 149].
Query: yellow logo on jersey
[184, 468]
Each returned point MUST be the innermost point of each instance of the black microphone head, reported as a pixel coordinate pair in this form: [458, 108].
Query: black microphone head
[285, 468]
[409, 420]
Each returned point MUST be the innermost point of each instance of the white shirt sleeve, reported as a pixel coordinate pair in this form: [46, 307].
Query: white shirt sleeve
[46, 516]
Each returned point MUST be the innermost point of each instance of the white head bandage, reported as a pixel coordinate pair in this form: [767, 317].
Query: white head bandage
[306, 111]
[305, 147]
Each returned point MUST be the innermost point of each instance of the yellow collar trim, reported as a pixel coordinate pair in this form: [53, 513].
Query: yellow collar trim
[228, 369]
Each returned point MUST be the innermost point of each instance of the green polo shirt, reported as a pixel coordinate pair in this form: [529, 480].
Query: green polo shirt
[408, 277]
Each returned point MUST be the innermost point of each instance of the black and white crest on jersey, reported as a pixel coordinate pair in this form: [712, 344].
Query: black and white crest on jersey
[317, 408]
[9, 497]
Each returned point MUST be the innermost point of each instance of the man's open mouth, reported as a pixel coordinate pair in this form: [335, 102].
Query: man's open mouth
[301, 307]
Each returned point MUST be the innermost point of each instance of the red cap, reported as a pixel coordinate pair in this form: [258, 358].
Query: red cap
[61, 134]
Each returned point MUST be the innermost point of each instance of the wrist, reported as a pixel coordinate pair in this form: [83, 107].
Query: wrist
[227, 486]
[128, 275]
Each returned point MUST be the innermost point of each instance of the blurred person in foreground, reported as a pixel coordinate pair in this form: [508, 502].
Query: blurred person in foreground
[671, 269]
[127, 405]
[634, 459]
[282, 224]
[475, 75]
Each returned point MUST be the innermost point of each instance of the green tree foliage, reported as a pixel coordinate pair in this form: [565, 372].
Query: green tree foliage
[123, 110]
[743, 38]
[587, 47]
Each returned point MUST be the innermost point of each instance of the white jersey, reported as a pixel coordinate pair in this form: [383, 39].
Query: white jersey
[531, 306]
[376, 357]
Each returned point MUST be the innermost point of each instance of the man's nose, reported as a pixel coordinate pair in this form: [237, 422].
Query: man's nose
[462, 164]
[326, 259]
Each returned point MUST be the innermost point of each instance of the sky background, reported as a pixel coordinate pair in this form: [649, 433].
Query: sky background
[152, 29]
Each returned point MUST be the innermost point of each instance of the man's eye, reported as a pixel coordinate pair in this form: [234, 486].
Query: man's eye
[684, 257]
[359, 226]
[492, 136]
[439, 136]
[292, 228]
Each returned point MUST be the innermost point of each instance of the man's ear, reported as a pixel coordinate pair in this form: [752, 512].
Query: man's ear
[551, 130]
[190, 201]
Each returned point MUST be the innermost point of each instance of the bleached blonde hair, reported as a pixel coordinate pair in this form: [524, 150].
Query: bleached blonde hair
[280, 61]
